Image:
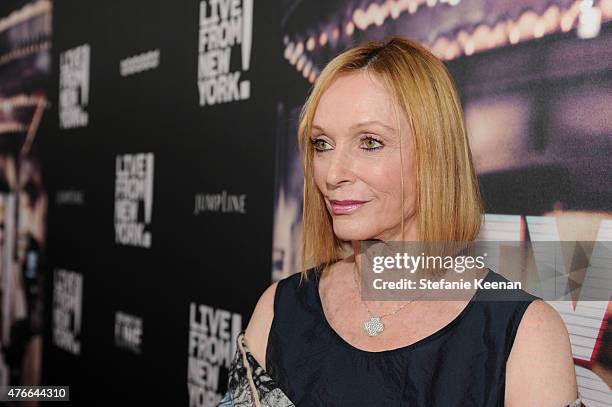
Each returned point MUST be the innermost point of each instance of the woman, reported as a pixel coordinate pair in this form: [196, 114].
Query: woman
[386, 157]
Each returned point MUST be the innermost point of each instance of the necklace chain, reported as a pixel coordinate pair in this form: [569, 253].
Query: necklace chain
[358, 290]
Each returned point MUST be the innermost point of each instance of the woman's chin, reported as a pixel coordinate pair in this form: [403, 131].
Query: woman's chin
[351, 234]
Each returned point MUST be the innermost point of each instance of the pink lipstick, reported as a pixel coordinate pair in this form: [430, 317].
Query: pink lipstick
[345, 206]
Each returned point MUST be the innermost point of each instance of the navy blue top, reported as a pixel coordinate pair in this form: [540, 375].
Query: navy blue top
[462, 364]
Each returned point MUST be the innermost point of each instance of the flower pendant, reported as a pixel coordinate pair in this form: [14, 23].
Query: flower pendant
[373, 326]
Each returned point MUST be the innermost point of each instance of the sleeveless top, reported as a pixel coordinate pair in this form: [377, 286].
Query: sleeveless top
[461, 364]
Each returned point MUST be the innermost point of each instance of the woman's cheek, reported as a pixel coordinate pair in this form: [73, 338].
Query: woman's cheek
[383, 178]
[318, 176]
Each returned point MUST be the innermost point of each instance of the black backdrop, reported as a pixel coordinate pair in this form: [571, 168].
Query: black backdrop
[217, 258]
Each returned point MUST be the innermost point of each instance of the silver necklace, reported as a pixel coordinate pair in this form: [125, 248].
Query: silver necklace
[374, 325]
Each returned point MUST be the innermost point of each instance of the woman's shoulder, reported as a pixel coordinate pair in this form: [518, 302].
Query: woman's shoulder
[541, 357]
[258, 328]
[533, 339]
[538, 347]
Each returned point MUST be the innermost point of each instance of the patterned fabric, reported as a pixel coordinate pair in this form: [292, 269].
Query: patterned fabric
[249, 384]
[576, 403]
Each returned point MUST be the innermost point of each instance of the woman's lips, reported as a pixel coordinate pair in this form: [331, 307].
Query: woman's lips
[344, 207]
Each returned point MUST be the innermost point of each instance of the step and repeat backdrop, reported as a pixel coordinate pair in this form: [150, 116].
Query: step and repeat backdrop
[152, 188]
[159, 153]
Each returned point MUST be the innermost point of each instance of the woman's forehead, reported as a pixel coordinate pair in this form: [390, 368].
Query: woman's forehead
[353, 99]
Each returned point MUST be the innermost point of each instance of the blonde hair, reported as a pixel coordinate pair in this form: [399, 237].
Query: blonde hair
[448, 205]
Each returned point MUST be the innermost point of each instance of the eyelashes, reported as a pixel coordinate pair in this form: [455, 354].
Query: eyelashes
[374, 139]
[316, 144]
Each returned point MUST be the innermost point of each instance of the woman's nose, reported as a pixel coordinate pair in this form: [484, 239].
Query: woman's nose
[340, 168]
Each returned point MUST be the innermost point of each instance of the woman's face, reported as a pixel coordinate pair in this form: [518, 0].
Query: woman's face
[357, 158]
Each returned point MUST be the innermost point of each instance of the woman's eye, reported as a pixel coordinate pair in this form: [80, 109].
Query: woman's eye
[319, 144]
[371, 144]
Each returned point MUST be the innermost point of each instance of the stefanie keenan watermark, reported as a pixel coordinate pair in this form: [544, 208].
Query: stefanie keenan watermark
[551, 270]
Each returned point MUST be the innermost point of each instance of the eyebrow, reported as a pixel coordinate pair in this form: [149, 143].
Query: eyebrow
[362, 124]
